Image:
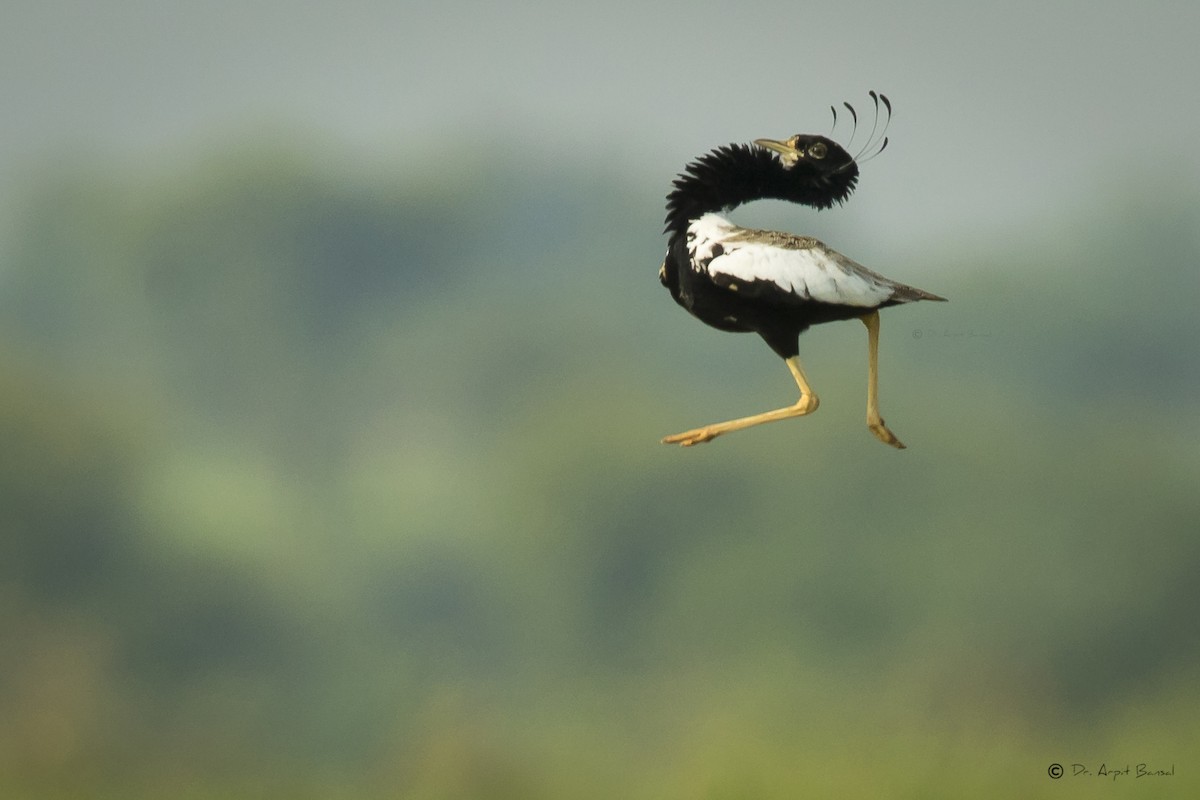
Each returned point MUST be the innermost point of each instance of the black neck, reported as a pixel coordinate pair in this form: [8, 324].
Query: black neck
[737, 173]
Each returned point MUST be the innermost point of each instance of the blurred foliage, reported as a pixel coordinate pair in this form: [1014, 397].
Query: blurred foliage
[324, 484]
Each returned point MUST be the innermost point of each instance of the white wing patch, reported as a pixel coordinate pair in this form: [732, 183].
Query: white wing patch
[809, 274]
[803, 267]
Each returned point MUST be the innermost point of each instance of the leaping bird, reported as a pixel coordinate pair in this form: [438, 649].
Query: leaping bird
[767, 282]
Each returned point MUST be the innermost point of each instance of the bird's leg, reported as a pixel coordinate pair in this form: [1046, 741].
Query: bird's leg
[874, 421]
[807, 404]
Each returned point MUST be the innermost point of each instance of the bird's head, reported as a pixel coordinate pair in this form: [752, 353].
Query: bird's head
[819, 169]
[821, 154]
[812, 160]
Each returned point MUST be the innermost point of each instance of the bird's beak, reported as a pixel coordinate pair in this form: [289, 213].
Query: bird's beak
[783, 148]
[788, 156]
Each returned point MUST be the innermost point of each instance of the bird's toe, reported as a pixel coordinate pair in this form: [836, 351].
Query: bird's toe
[689, 438]
[884, 434]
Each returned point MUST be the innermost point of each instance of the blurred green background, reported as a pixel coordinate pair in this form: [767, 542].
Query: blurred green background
[333, 365]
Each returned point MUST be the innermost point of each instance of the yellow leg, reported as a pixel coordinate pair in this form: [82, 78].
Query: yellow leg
[874, 421]
[807, 404]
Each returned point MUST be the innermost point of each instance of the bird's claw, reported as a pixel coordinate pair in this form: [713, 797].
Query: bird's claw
[689, 438]
[883, 434]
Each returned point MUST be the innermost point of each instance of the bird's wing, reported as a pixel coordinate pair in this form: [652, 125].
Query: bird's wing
[779, 266]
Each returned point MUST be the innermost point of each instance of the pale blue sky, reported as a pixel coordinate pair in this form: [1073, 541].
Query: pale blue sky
[1004, 111]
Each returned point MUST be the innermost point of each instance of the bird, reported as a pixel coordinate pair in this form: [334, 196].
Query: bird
[773, 283]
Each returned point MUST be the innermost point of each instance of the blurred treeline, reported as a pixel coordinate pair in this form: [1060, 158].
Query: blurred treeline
[328, 482]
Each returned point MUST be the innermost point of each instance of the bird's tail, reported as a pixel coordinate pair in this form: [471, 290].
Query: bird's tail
[910, 294]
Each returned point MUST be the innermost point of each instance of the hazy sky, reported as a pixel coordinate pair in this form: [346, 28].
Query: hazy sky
[1004, 111]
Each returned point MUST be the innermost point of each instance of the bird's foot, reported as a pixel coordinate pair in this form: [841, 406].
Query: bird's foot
[694, 436]
[805, 405]
[883, 434]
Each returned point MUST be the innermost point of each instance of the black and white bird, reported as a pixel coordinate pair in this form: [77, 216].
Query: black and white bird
[767, 282]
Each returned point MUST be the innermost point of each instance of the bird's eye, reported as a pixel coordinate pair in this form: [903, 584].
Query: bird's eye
[818, 150]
